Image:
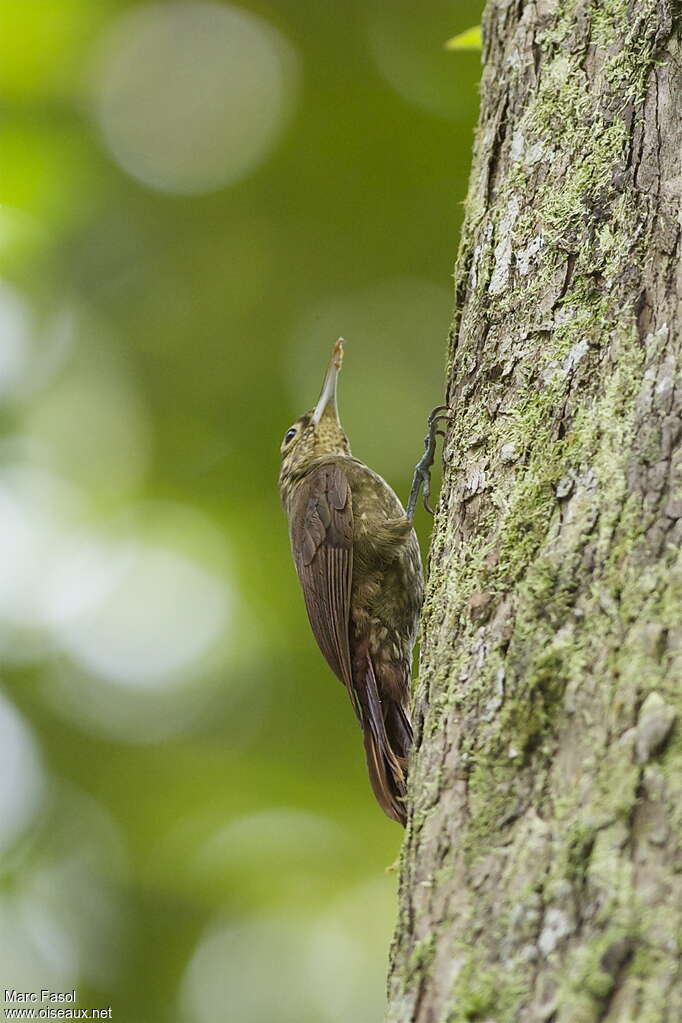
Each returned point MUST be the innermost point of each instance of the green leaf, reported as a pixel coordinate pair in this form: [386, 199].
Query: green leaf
[469, 40]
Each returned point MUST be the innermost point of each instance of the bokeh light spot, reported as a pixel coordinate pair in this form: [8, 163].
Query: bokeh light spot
[15, 324]
[280, 838]
[35, 510]
[321, 969]
[225, 976]
[193, 96]
[408, 47]
[158, 612]
[94, 426]
[62, 921]
[30, 353]
[21, 776]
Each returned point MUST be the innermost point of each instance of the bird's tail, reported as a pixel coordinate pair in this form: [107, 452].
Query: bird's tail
[388, 736]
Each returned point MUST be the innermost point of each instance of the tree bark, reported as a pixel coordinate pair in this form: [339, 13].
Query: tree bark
[542, 870]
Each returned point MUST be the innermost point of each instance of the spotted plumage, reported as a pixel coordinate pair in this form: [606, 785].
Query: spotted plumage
[358, 562]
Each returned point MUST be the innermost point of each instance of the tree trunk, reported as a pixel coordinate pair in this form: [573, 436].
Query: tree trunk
[542, 870]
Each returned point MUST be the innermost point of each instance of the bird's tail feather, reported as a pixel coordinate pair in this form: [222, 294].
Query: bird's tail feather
[387, 736]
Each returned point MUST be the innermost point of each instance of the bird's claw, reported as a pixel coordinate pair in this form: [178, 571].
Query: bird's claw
[422, 472]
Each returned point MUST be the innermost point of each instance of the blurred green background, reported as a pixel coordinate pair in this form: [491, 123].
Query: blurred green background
[197, 198]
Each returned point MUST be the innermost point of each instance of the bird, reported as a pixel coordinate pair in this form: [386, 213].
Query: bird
[359, 565]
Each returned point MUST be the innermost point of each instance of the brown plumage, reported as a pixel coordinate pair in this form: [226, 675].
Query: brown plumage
[358, 562]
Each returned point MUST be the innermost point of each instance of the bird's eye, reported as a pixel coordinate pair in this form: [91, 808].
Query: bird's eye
[289, 435]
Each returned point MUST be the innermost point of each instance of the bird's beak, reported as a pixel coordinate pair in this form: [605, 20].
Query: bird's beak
[328, 397]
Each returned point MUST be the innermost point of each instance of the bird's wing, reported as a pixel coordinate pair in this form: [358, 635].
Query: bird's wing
[321, 531]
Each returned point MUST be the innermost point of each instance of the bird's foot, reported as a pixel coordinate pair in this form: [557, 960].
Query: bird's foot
[422, 472]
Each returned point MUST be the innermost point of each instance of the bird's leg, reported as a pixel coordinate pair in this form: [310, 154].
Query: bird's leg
[422, 472]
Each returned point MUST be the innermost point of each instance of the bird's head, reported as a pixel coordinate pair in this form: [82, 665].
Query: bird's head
[318, 432]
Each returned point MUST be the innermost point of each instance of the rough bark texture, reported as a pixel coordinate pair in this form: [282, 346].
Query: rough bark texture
[542, 871]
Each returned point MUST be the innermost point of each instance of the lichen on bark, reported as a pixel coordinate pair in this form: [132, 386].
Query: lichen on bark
[541, 868]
